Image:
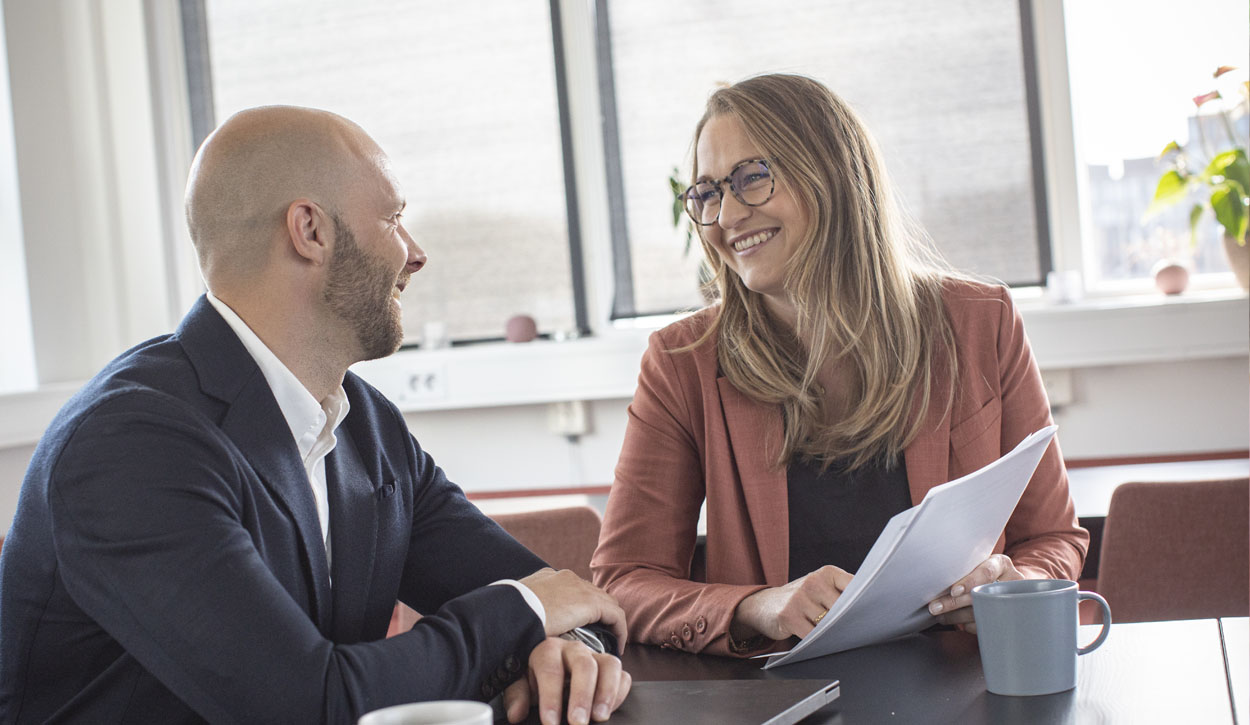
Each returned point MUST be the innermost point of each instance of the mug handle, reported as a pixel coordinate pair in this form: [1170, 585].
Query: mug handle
[1106, 621]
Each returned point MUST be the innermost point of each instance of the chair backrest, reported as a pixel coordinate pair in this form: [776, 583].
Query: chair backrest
[1177, 551]
[565, 538]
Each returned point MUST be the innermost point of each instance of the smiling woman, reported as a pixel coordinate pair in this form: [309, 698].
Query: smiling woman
[844, 374]
[755, 229]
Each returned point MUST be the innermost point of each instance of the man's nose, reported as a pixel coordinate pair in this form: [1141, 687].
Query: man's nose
[416, 255]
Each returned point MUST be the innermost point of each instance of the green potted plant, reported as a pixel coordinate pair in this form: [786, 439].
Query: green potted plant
[1224, 180]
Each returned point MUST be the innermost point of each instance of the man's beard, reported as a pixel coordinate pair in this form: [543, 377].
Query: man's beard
[359, 290]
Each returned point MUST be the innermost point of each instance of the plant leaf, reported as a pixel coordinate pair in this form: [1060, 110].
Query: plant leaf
[1172, 146]
[1171, 190]
[1195, 215]
[1205, 97]
[1229, 164]
[1238, 169]
[1229, 202]
[679, 204]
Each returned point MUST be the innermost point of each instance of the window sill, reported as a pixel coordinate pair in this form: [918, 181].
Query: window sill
[1139, 329]
[1089, 333]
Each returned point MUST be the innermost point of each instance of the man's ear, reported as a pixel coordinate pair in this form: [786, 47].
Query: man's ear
[310, 230]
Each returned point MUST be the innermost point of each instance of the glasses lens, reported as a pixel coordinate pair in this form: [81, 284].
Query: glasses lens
[754, 182]
[703, 202]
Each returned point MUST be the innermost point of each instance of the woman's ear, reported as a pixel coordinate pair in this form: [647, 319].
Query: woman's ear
[310, 231]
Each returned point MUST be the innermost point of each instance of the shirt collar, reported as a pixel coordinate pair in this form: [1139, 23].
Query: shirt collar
[306, 417]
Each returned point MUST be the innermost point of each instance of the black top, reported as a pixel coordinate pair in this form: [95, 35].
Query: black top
[836, 516]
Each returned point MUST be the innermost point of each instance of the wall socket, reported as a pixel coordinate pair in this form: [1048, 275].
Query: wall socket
[423, 383]
[568, 417]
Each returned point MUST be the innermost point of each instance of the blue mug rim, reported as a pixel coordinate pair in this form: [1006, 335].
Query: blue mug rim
[1036, 588]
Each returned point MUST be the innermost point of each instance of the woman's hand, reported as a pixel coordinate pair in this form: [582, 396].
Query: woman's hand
[956, 608]
[790, 610]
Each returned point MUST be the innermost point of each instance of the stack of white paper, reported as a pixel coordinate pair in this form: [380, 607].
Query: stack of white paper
[921, 553]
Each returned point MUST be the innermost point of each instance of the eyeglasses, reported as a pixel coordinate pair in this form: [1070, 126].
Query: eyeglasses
[751, 182]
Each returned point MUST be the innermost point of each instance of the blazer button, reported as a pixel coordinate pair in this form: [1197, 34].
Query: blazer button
[511, 664]
[487, 691]
[686, 633]
[386, 489]
[675, 641]
[700, 625]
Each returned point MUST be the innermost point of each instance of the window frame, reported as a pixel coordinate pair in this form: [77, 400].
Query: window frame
[623, 307]
[198, 57]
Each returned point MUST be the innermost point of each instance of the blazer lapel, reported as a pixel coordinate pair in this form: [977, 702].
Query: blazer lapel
[755, 433]
[255, 424]
[353, 536]
[257, 427]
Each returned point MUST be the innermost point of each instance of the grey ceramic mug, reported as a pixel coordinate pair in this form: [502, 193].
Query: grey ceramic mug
[1027, 634]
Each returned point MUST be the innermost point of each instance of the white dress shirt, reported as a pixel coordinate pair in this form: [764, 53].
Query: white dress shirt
[312, 425]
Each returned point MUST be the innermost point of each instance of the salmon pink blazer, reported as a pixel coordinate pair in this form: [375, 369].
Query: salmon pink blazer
[693, 437]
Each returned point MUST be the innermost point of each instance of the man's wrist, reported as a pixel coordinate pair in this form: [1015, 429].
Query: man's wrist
[530, 598]
[598, 638]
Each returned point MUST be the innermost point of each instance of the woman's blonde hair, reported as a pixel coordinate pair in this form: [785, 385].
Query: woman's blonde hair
[866, 284]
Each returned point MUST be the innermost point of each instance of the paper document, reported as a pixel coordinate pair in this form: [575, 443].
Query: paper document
[921, 552]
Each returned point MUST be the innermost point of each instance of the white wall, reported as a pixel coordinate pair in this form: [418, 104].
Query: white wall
[1120, 410]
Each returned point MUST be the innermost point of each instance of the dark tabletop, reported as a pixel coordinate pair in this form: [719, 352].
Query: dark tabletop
[1145, 672]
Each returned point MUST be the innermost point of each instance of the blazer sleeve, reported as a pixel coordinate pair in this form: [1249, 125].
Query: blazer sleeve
[448, 532]
[650, 526]
[148, 503]
[1043, 537]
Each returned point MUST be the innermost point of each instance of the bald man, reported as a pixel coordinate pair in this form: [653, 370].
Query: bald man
[217, 526]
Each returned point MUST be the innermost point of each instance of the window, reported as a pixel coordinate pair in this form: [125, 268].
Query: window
[1134, 69]
[17, 355]
[465, 98]
[946, 88]
[470, 100]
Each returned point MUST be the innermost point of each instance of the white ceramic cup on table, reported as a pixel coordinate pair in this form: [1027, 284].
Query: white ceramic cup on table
[438, 712]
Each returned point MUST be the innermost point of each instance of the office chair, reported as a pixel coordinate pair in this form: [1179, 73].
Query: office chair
[1177, 550]
[565, 538]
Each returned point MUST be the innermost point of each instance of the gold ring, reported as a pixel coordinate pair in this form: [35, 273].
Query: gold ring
[820, 617]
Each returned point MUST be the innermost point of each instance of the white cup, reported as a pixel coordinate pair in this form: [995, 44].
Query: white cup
[1063, 287]
[438, 712]
[434, 335]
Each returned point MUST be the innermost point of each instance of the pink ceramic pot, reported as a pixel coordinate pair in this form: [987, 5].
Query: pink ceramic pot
[1171, 277]
[520, 328]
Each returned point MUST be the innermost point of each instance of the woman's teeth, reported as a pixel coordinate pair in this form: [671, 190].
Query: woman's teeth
[754, 239]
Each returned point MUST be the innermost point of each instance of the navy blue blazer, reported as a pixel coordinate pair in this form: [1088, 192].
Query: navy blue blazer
[166, 561]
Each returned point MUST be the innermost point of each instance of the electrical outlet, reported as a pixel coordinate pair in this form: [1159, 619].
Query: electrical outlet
[423, 383]
[568, 417]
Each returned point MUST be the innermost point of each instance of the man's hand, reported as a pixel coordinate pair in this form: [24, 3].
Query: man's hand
[793, 609]
[956, 608]
[597, 684]
[573, 602]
